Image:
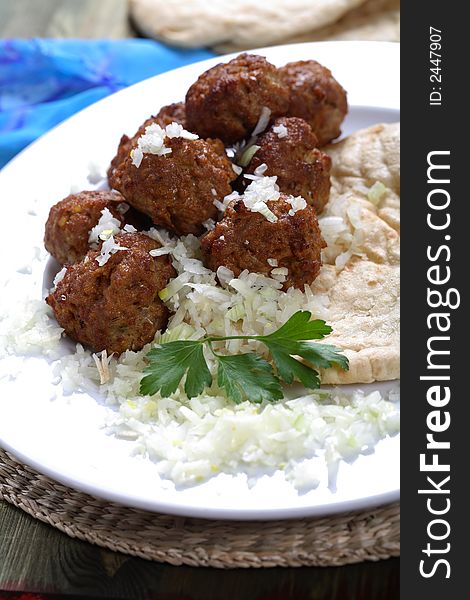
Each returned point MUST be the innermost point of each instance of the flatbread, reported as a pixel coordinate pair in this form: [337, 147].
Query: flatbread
[364, 292]
[364, 312]
[371, 20]
[241, 23]
[365, 157]
[374, 20]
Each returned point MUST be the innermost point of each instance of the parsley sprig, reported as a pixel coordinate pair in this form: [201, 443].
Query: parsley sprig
[245, 376]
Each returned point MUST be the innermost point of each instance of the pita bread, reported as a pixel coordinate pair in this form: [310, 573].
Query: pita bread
[373, 20]
[364, 313]
[367, 156]
[360, 276]
[242, 23]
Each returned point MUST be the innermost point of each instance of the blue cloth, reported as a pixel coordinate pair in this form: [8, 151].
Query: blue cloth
[42, 82]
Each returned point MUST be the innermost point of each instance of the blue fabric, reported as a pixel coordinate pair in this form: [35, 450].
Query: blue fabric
[42, 82]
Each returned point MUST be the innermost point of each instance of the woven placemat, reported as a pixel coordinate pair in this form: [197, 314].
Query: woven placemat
[331, 541]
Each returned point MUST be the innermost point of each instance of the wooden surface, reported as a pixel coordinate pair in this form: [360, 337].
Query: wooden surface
[36, 557]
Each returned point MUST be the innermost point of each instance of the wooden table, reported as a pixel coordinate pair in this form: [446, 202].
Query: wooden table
[36, 557]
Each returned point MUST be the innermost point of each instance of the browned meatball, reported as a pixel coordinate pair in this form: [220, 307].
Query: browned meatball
[226, 101]
[178, 190]
[316, 97]
[173, 113]
[292, 154]
[123, 151]
[71, 219]
[116, 306]
[246, 240]
[137, 219]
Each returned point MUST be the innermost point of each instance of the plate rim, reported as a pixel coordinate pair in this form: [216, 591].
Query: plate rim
[183, 509]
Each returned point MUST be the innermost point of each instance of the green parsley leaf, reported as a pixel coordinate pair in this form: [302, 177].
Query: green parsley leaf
[323, 356]
[299, 327]
[248, 377]
[289, 368]
[170, 362]
[245, 376]
[288, 341]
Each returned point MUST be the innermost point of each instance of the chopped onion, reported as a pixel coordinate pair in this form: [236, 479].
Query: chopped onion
[173, 287]
[263, 121]
[183, 331]
[376, 193]
[106, 227]
[58, 278]
[280, 130]
[224, 275]
[248, 155]
[161, 251]
[264, 210]
[209, 224]
[153, 141]
[108, 247]
[260, 170]
[237, 312]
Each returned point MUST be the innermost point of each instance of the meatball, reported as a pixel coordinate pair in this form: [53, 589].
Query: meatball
[316, 97]
[70, 221]
[115, 306]
[246, 240]
[289, 150]
[226, 101]
[173, 113]
[178, 190]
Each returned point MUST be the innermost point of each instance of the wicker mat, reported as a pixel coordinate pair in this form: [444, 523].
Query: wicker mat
[335, 540]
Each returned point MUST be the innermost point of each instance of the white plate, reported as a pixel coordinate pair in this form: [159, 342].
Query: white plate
[65, 439]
